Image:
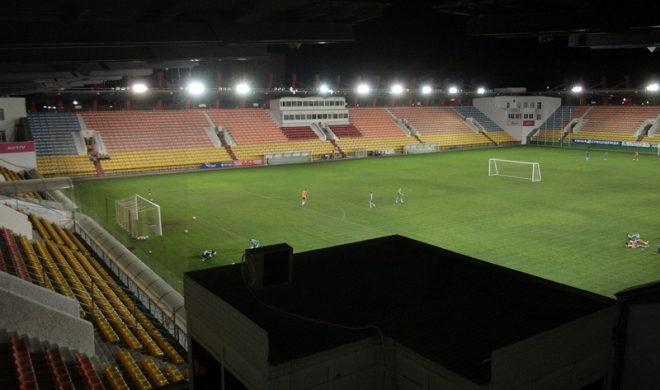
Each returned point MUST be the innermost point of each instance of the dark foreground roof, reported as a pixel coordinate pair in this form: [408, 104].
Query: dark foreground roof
[449, 308]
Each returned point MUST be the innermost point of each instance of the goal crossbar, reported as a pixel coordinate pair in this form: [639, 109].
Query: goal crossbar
[517, 169]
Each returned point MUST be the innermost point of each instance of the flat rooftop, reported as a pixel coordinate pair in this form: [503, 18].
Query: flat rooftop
[451, 309]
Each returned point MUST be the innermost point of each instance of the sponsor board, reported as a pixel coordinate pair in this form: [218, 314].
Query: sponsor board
[632, 144]
[17, 147]
[240, 163]
[223, 164]
[528, 123]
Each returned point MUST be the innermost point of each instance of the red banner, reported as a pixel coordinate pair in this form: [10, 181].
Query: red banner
[239, 163]
[528, 123]
[17, 147]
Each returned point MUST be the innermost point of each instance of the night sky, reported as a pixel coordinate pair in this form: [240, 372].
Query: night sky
[408, 42]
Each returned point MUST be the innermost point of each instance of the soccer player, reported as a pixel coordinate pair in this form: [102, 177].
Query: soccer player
[587, 155]
[605, 156]
[150, 195]
[636, 156]
[304, 196]
[207, 254]
[254, 243]
[399, 196]
[371, 200]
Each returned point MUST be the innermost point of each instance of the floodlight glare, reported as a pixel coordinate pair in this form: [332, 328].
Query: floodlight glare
[653, 87]
[426, 89]
[397, 89]
[324, 89]
[481, 90]
[242, 88]
[139, 88]
[196, 88]
[363, 89]
[453, 90]
[577, 89]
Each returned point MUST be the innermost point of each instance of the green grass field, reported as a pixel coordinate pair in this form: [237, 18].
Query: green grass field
[570, 227]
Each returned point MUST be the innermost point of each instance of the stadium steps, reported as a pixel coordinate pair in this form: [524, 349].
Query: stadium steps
[337, 148]
[230, 152]
[487, 136]
[99, 169]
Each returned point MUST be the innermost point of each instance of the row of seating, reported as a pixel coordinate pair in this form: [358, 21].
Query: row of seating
[613, 119]
[71, 166]
[11, 252]
[52, 132]
[25, 374]
[10, 175]
[58, 369]
[432, 120]
[298, 133]
[249, 126]
[374, 122]
[348, 130]
[251, 152]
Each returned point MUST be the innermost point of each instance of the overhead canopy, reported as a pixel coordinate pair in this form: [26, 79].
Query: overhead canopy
[35, 185]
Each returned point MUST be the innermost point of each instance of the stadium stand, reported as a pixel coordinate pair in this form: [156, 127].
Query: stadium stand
[374, 122]
[135, 131]
[52, 132]
[248, 126]
[432, 120]
[299, 133]
[348, 130]
[253, 152]
[473, 112]
[618, 119]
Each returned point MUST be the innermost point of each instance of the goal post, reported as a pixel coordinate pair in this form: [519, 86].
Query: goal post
[139, 217]
[517, 169]
[361, 152]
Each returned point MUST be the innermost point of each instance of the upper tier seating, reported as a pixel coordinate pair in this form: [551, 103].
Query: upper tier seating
[561, 117]
[618, 119]
[374, 122]
[348, 130]
[299, 133]
[134, 131]
[52, 132]
[433, 120]
[248, 126]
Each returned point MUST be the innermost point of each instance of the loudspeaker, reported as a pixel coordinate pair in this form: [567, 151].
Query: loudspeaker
[269, 265]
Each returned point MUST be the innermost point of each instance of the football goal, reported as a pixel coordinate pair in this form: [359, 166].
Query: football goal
[139, 217]
[361, 152]
[518, 169]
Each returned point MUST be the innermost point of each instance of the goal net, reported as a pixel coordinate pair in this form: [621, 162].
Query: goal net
[518, 169]
[139, 217]
[361, 151]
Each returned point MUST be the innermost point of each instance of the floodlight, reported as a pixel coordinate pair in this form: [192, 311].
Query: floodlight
[196, 88]
[363, 89]
[242, 88]
[324, 89]
[577, 89]
[653, 87]
[397, 89]
[481, 90]
[453, 89]
[139, 88]
[427, 89]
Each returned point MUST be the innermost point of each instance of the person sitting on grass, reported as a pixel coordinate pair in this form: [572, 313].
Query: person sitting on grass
[635, 238]
[207, 254]
[636, 244]
[254, 243]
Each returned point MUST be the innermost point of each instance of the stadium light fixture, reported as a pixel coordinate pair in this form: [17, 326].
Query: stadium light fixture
[397, 89]
[654, 87]
[426, 89]
[453, 89]
[577, 89]
[196, 88]
[481, 90]
[324, 89]
[242, 88]
[363, 89]
[139, 88]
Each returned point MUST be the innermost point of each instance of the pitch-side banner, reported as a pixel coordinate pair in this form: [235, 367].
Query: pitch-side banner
[223, 164]
[633, 144]
[16, 147]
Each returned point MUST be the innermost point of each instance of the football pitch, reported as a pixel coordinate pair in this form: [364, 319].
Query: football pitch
[570, 227]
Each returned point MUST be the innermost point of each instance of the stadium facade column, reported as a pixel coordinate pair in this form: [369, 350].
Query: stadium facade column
[161, 76]
[654, 101]
[444, 90]
[33, 106]
[374, 101]
[628, 86]
[392, 101]
[413, 85]
[269, 86]
[567, 99]
[583, 99]
[357, 83]
[603, 85]
[218, 86]
[60, 105]
[426, 101]
[129, 81]
[473, 82]
[294, 80]
[337, 82]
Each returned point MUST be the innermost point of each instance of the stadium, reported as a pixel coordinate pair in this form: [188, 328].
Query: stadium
[236, 228]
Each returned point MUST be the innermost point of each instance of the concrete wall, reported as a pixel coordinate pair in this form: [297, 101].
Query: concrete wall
[232, 339]
[416, 373]
[29, 309]
[15, 221]
[568, 357]
[14, 108]
[641, 360]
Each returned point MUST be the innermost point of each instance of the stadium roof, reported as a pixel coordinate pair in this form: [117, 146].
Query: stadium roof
[46, 46]
[449, 308]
